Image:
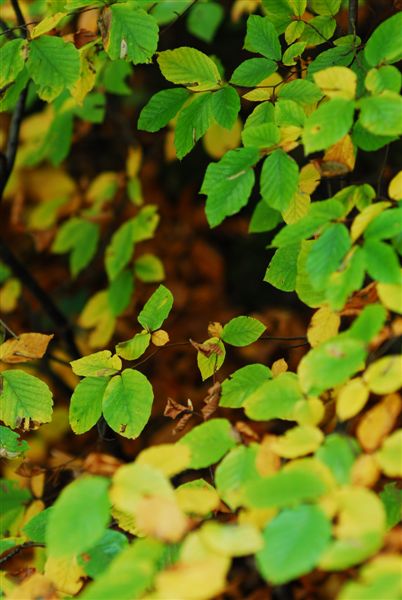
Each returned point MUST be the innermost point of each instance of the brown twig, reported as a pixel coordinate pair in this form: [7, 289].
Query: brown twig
[352, 16]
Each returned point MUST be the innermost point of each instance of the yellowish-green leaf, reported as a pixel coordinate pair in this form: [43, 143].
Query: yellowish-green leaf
[189, 67]
[323, 326]
[389, 456]
[298, 441]
[197, 497]
[351, 398]
[168, 458]
[395, 187]
[24, 397]
[337, 82]
[99, 364]
[384, 376]
[231, 540]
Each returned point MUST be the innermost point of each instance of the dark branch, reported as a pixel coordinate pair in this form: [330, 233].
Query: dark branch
[14, 551]
[352, 17]
[20, 17]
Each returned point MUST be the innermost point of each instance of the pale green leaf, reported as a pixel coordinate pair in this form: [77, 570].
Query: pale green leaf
[133, 34]
[301, 91]
[208, 442]
[242, 383]
[161, 109]
[234, 471]
[282, 269]
[156, 309]
[99, 364]
[134, 348]
[328, 124]
[79, 517]
[279, 179]
[326, 7]
[24, 397]
[382, 114]
[242, 331]
[149, 268]
[80, 238]
[263, 135]
[53, 64]
[262, 37]
[189, 67]
[120, 249]
[211, 358]
[127, 403]
[11, 445]
[274, 399]
[384, 44]
[231, 539]
[86, 403]
[294, 543]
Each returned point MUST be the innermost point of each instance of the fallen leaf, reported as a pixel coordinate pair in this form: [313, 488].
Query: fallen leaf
[211, 400]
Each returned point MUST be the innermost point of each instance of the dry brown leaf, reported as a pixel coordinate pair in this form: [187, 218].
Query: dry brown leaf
[215, 329]
[247, 433]
[378, 422]
[207, 349]
[28, 346]
[173, 409]
[211, 400]
[97, 463]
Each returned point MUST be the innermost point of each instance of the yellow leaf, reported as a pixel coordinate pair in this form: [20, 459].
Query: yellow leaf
[267, 462]
[103, 187]
[168, 458]
[231, 540]
[33, 509]
[34, 587]
[378, 422]
[160, 337]
[363, 219]
[365, 471]
[360, 512]
[298, 441]
[390, 295]
[385, 375]
[337, 82]
[197, 500]
[309, 178]
[161, 518]
[134, 160]
[265, 89]
[126, 521]
[66, 574]
[323, 326]
[389, 456]
[339, 159]
[297, 209]
[97, 314]
[308, 412]
[259, 517]
[215, 329]
[351, 399]
[278, 367]
[200, 580]
[46, 24]
[290, 137]
[27, 346]
[9, 293]
[218, 140]
[395, 187]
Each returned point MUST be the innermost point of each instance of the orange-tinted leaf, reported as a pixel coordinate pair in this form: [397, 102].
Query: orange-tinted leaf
[28, 346]
[378, 422]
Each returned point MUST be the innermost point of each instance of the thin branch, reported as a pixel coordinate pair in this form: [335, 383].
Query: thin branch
[382, 169]
[352, 16]
[178, 17]
[63, 327]
[6, 327]
[14, 551]
[6, 30]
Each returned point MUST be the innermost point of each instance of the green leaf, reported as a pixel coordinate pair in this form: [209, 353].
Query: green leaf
[228, 184]
[204, 20]
[328, 124]
[145, 223]
[305, 290]
[79, 517]
[330, 364]
[12, 498]
[339, 453]
[279, 179]
[120, 292]
[293, 31]
[99, 364]
[156, 309]
[326, 7]
[53, 64]
[252, 71]
[114, 77]
[263, 135]
[318, 31]
[369, 323]
[80, 238]
[149, 268]
[262, 37]
[289, 113]
[293, 52]
[242, 383]
[262, 114]
[385, 225]
[391, 497]
[346, 280]
[285, 488]
[319, 214]
[326, 254]
[130, 574]
[134, 348]
[233, 472]
[189, 67]
[264, 218]
[11, 445]
[279, 13]
[225, 106]
[35, 529]
[384, 44]
[294, 542]
[275, 399]
[24, 397]
[97, 559]
[300, 90]
[162, 108]
[242, 331]
[211, 360]
[382, 79]
[192, 123]
[382, 262]
[340, 56]
[86, 403]
[237, 539]
[11, 60]
[133, 34]
[282, 269]
[298, 7]
[208, 442]
[120, 249]
[127, 403]
[382, 115]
